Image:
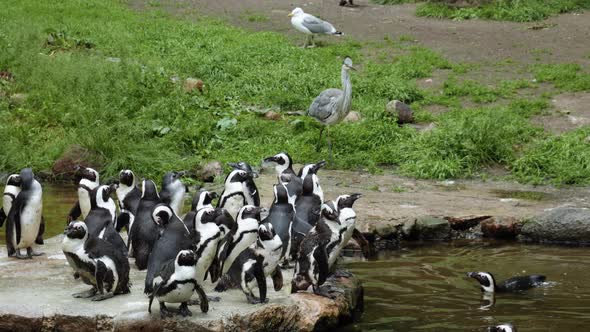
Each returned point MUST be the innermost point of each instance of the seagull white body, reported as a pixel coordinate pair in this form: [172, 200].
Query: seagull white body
[311, 25]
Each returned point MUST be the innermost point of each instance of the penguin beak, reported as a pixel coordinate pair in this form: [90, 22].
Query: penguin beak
[254, 175]
[213, 195]
[182, 173]
[355, 196]
[318, 165]
[272, 159]
[233, 165]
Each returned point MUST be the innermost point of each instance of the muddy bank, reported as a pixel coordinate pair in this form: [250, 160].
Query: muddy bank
[36, 296]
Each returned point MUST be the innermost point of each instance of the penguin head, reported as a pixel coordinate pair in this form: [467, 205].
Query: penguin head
[239, 176]
[311, 169]
[87, 173]
[244, 166]
[502, 328]
[281, 194]
[266, 232]
[172, 177]
[225, 221]
[281, 160]
[330, 212]
[485, 279]
[207, 215]
[162, 214]
[26, 178]
[202, 199]
[76, 230]
[346, 201]
[149, 190]
[13, 180]
[127, 177]
[249, 211]
[186, 258]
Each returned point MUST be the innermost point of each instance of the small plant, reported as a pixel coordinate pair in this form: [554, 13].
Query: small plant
[63, 41]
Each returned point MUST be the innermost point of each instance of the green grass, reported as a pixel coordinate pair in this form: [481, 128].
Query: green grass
[503, 10]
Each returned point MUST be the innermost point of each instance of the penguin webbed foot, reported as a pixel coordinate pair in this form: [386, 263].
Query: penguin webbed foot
[252, 299]
[85, 294]
[31, 253]
[18, 255]
[213, 298]
[342, 274]
[165, 312]
[101, 297]
[183, 310]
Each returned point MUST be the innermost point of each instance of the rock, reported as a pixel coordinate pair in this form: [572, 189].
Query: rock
[401, 111]
[501, 227]
[5, 75]
[271, 115]
[353, 117]
[431, 228]
[64, 168]
[465, 223]
[190, 84]
[18, 99]
[209, 171]
[560, 225]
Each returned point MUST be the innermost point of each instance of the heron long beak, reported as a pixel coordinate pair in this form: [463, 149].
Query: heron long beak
[352, 67]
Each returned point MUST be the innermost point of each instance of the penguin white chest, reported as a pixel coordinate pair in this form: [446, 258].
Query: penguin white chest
[208, 249]
[181, 293]
[30, 220]
[84, 200]
[233, 204]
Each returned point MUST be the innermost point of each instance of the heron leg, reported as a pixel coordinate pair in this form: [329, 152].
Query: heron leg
[319, 145]
[329, 146]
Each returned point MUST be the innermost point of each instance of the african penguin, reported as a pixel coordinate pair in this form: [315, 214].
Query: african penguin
[173, 191]
[502, 328]
[101, 218]
[144, 231]
[284, 166]
[236, 194]
[281, 215]
[254, 264]
[24, 220]
[346, 225]
[515, 284]
[209, 236]
[244, 166]
[175, 282]
[174, 237]
[97, 262]
[201, 200]
[89, 179]
[243, 235]
[128, 196]
[11, 190]
[312, 266]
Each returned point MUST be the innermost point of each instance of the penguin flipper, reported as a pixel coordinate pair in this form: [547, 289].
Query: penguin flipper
[277, 279]
[260, 278]
[13, 223]
[363, 243]
[99, 275]
[2, 217]
[39, 239]
[203, 301]
[75, 212]
[122, 221]
[321, 257]
[214, 270]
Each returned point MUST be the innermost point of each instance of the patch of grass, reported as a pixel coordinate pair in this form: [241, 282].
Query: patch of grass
[393, 2]
[503, 10]
[254, 17]
[558, 159]
[568, 77]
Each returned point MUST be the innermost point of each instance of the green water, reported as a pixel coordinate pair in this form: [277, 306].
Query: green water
[424, 288]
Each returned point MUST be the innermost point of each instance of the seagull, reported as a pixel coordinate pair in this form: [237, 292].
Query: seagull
[311, 25]
[333, 105]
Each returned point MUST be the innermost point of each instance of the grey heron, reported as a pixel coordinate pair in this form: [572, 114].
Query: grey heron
[311, 25]
[333, 105]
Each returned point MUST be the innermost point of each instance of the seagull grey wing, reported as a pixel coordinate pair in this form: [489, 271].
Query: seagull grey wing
[325, 104]
[315, 25]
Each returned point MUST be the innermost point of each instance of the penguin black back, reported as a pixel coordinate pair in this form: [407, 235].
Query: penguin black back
[281, 214]
[144, 231]
[244, 166]
[488, 283]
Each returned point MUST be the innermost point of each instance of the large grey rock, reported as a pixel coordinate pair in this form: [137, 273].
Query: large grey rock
[561, 225]
[431, 228]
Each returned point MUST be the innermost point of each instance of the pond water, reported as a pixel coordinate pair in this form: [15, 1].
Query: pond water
[423, 287]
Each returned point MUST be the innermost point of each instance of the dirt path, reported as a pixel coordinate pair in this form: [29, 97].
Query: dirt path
[564, 38]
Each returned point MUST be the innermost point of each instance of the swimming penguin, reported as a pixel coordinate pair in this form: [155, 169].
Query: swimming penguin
[243, 235]
[202, 199]
[89, 179]
[11, 190]
[101, 218]
[346, 225]
[236, 194]
[173, 191]
[284, 165]
[502, 328]
[24, 220]
[144, 231]
[312, 266]
[514, 284]
[174, 237]
[176, 282]
[307, 207]
[128, 196]
[97, 262]
[209, 238]
[280, 216]
[244, 166]
[257, 262]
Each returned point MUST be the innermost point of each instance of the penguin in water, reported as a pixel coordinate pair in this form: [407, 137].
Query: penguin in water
[24, 223]
[144, 232]
[175, 282]
[11, 190]
[307, 207]
[97, 262]
[346, 226]
[173, 191]
[250, 185]
[128, 196]
[502, 328]
[312, 266]
[174, 237]
[201, 200]
[89, 179]
[257, 262]
[280, 216]
[515, 284]
[236, 193]
[284, 166]
[101, 218]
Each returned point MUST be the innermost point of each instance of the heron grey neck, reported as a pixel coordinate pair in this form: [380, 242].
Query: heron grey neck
[347, 89]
